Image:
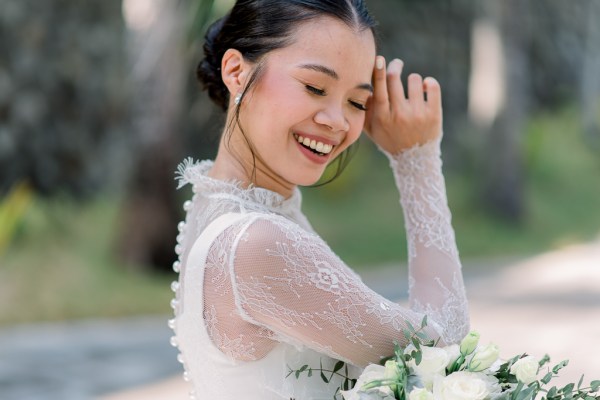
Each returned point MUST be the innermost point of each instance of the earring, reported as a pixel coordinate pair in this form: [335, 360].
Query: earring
[238, 99]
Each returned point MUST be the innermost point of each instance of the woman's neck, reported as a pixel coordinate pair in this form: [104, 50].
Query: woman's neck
[235, 161]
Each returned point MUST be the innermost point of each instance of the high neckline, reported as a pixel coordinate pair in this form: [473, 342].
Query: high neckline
[195, 173]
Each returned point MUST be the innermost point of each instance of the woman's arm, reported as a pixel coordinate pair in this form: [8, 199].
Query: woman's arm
[408, 129]
[289, 281]
[435, 279]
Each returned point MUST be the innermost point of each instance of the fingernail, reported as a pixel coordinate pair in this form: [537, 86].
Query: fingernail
[379, 62]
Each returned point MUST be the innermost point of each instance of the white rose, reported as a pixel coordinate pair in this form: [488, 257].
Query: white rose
[371, 373]
[464, 385]
[433, 362]
[484, 357]
[526, 369]
[420, 394]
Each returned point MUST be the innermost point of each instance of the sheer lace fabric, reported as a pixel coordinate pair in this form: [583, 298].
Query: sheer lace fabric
[273, 294]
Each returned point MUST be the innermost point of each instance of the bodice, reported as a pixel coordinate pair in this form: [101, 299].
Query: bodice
[260, 292]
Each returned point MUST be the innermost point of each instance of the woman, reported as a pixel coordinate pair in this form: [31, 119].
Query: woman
[260, 292]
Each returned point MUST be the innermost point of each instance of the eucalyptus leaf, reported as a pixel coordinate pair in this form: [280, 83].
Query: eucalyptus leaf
[338, 365]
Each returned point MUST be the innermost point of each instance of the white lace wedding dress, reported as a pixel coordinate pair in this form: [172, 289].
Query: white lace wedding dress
[260, 292]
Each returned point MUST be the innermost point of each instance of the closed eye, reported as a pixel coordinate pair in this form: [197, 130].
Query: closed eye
[358, 105]
[314, 90]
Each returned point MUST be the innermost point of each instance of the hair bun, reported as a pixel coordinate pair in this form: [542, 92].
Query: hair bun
[208, 71]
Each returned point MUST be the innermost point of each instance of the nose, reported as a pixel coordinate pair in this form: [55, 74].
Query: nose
[333, 117]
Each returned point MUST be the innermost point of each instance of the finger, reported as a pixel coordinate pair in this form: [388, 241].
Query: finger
[380, 90]
[415, 88]
[434, 92]
[394, 83]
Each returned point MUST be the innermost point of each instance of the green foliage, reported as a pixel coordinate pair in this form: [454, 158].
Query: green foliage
[347, 382]
[12, 211]
[60, 266]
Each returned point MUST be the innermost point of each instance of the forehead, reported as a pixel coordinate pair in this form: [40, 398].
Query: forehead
[331, 42]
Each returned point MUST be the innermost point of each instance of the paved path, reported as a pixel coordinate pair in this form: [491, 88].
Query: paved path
[549, 303]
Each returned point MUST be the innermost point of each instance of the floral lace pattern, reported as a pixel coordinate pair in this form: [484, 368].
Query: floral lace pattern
[423, 198]
[269, 279]
[237, 348]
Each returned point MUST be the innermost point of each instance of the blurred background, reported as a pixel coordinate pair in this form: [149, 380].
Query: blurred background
[99, 104]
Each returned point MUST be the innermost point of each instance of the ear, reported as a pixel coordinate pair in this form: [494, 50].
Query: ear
[234, 71]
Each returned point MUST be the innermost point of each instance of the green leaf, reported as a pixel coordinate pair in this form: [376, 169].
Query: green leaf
[338, 365]
[418, 357]
[547, 378]
[323, 377]
[310, 372]
[517, 390]
[524, 394]
[560, 366]
[416, 343]
[595, 385]
[544, 360]
[345, 385]
[411, 328]
[424, 322]
[580, 382]
[552, 392]
[568, 388]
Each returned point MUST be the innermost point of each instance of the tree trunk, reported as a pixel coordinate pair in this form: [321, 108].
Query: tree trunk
[590, 77]
[150, 213]
[500, 109]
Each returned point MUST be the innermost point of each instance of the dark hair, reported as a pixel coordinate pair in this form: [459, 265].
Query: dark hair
[256, 27]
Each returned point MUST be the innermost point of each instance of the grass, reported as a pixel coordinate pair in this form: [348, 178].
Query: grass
[60, 263]
[60, 266]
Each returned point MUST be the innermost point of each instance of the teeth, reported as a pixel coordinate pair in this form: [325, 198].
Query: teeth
[315, 145]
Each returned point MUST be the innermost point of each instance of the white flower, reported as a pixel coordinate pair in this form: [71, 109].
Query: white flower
[484, 357]
[469, 343]
[371, 373]
[391, 370]
[464, 385]
[420, 394]
[433, 362]
[526, 369]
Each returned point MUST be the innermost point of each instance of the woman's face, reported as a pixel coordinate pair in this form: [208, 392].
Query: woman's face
[315, 90]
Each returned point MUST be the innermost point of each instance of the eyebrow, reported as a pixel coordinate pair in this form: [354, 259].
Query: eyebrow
[331, 73]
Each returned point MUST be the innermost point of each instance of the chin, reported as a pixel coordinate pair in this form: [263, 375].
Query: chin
[307, 180]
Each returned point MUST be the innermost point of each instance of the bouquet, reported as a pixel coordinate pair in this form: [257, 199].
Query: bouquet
[469, 371]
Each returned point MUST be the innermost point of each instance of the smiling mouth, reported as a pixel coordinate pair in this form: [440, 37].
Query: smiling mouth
[319, 148]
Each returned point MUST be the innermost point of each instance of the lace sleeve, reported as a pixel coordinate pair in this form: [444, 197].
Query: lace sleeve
[435, 280]
[288, 281]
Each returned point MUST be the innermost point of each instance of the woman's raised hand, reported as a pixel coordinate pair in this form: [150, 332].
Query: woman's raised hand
[396, 123]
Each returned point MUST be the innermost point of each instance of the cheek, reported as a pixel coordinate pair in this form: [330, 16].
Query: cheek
[275, 93]
[357, 123]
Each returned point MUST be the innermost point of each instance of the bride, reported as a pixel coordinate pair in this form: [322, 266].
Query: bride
[259, 291]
